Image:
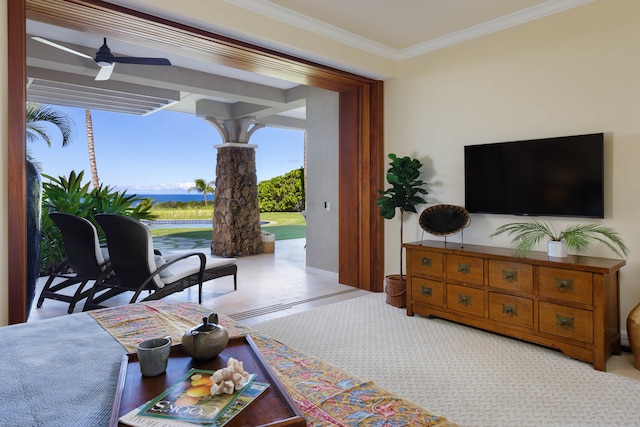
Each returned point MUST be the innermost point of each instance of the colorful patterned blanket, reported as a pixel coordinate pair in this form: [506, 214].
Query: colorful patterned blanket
[325, 394]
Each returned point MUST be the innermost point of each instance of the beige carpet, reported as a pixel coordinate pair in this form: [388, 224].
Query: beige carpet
[471, 377]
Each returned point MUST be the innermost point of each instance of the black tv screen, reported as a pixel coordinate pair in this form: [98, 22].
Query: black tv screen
[561, 176]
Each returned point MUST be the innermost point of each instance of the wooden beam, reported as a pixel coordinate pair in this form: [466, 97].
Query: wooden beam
[17, 209]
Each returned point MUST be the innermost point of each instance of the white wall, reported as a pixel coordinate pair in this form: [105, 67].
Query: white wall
[571, 73]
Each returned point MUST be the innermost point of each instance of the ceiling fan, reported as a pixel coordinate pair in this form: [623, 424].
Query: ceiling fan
[105, 59]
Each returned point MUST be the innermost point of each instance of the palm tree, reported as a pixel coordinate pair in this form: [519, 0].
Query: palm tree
[201, 186]
[92, 153]
[37, 118]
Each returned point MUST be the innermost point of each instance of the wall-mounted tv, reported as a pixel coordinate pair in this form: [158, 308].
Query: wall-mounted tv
[561, 176]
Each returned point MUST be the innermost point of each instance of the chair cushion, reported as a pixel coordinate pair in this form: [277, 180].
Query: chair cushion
[191, 265]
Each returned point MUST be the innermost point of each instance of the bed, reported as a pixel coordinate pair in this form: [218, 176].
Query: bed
[63, 371]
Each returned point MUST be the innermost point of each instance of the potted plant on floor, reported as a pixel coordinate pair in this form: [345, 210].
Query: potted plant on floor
[575, 237]
[404, 194]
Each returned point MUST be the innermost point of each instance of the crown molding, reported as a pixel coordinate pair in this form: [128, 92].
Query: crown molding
[282, 14]
[304, 22]
[548, 8]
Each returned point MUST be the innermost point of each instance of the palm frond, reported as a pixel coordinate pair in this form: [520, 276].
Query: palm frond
[39, 115]
[578, 238]
[526, 235]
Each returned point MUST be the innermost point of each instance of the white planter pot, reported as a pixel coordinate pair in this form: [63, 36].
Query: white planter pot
[268, 237]
[557, 249]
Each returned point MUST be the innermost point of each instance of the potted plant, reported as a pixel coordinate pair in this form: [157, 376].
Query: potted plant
[575, 237]
[404, 194]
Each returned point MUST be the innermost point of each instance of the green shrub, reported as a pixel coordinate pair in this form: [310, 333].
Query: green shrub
[283, 193]
[181, 205]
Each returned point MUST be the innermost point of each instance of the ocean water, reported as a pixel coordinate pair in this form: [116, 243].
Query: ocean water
[191, 197]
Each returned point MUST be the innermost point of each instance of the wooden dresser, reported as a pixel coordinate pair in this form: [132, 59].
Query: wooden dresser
[571, 304]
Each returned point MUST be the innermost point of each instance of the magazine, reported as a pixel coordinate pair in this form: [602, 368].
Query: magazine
[249, 394]
[189, 399]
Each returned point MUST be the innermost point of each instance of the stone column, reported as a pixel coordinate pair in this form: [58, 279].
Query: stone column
[236, 215]
[236, 218]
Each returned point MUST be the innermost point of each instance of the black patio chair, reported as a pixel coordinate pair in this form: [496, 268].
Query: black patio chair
[139, 268]
[86, 261]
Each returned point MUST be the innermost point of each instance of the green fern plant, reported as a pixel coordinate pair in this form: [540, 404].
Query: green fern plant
[577, 237]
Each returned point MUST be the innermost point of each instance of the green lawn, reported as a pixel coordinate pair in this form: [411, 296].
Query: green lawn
[285, 225]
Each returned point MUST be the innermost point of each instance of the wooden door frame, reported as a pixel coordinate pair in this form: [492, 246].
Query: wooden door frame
[361, 239]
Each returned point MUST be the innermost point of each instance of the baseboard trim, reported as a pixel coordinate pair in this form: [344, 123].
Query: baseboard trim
[323, 273]
[624, 339]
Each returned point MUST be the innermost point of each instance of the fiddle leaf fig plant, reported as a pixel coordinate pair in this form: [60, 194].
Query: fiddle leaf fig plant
[405, 192]
[577, 237]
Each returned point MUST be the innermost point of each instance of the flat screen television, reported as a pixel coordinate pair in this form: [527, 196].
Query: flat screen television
[561, 176]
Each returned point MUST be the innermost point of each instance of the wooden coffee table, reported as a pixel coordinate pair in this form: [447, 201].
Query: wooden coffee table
[274, 407]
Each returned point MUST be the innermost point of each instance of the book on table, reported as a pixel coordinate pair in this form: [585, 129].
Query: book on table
[189, 402]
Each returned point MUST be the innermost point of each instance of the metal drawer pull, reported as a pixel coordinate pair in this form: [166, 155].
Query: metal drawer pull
[564, 284]
[510, 275]
[510, 310]
[427, 291]
[464, 299]
[564, 322]
[464, 268]
[425, 261]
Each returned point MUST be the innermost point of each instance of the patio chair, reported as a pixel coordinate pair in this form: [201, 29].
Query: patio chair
[139, 269]
[85, 262]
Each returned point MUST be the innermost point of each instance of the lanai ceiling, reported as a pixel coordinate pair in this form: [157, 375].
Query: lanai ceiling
[395, 30]
[189, 85]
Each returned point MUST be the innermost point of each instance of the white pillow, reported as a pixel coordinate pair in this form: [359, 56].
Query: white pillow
[105, 254]
[159, 263]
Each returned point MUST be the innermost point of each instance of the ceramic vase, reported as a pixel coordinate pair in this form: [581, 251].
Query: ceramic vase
[633, 332]
[557, 249]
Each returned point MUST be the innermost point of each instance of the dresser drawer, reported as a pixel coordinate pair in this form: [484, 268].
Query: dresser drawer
[510, 310]
[513, 276]
[425, 291]
[426, 262]
[465, 269]
[568, 285]
[568, 322]
[466, 300]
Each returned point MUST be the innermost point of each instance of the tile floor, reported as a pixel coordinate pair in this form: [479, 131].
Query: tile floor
[269, 286]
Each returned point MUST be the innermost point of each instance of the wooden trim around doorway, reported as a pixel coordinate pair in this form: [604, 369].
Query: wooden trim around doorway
[361, 253]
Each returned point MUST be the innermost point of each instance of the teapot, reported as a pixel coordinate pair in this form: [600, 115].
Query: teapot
[205, 341]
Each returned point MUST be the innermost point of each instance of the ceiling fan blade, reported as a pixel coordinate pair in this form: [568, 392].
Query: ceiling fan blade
[141, 61]
[59, 46]
[105, 72]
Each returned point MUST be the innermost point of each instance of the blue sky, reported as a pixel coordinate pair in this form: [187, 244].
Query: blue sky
[164, 152]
